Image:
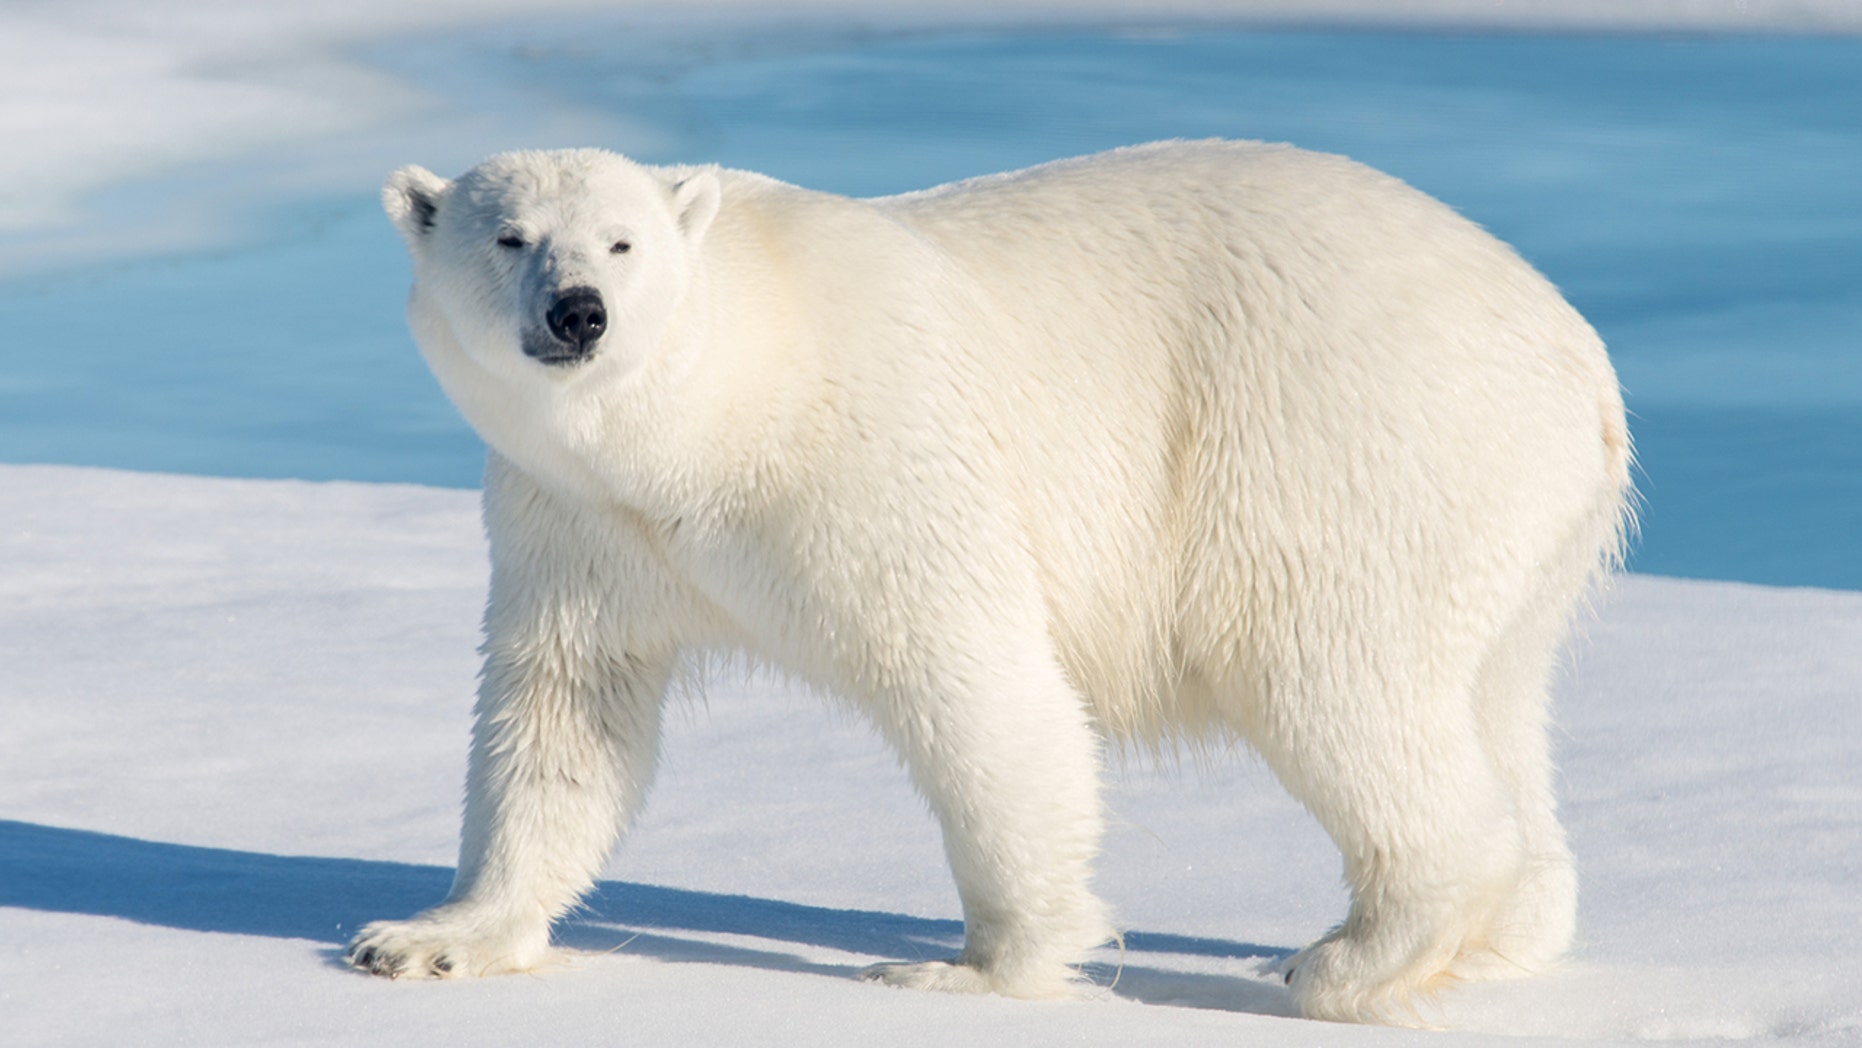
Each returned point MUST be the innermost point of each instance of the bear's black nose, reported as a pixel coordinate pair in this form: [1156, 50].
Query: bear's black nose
[577, 318]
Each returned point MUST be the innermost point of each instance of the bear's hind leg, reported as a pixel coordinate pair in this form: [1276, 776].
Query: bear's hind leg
[1397, 774]
[1535, 924]
[1010, 766]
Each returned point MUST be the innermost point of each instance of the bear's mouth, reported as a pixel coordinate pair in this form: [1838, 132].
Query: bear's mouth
[552, 353]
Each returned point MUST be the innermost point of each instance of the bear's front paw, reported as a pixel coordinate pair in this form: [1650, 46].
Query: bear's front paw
[436, 945]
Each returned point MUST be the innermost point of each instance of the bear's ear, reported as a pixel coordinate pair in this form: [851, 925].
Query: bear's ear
[412, 199]
[695, 200]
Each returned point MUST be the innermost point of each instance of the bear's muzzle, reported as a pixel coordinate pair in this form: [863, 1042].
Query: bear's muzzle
[575, 320]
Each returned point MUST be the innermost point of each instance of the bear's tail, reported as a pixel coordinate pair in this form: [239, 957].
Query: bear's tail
[1622, 502]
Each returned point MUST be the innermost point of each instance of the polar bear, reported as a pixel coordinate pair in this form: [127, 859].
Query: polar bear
[1192, 440]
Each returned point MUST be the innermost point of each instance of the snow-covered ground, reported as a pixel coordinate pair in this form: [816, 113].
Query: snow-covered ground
[232, 726]
[235, 729]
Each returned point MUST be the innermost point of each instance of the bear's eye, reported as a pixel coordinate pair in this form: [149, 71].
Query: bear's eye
[511, 240]
[621, 247]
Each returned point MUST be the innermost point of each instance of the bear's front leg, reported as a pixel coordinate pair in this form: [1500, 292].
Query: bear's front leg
[563, 751]
[1009, 760]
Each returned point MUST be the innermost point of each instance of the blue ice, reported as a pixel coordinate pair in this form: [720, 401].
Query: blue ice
[1699, 198]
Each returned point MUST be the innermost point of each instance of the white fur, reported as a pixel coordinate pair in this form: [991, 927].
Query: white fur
[1183, 441]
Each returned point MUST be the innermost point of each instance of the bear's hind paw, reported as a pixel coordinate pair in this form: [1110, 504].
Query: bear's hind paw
[957, 977]
[943, 976]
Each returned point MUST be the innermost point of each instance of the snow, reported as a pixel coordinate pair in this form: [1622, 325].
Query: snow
[237, 714]
[235, 710]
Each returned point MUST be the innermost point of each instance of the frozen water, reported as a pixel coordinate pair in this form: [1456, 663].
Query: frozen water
[1698, 197]
[237, 719]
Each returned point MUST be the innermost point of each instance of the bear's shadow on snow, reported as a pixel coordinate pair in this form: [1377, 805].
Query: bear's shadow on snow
[325, 900]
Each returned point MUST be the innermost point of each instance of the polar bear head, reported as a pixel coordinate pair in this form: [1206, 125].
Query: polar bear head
[545, 266]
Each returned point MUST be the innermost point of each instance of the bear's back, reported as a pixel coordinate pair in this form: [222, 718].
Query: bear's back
[1268, 362]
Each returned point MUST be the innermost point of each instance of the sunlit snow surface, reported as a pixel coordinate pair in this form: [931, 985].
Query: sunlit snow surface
[236, 718]
[235, 711]
[1699, 198]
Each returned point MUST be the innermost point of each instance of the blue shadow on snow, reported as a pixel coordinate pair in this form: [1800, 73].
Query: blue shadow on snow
[325, 900]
